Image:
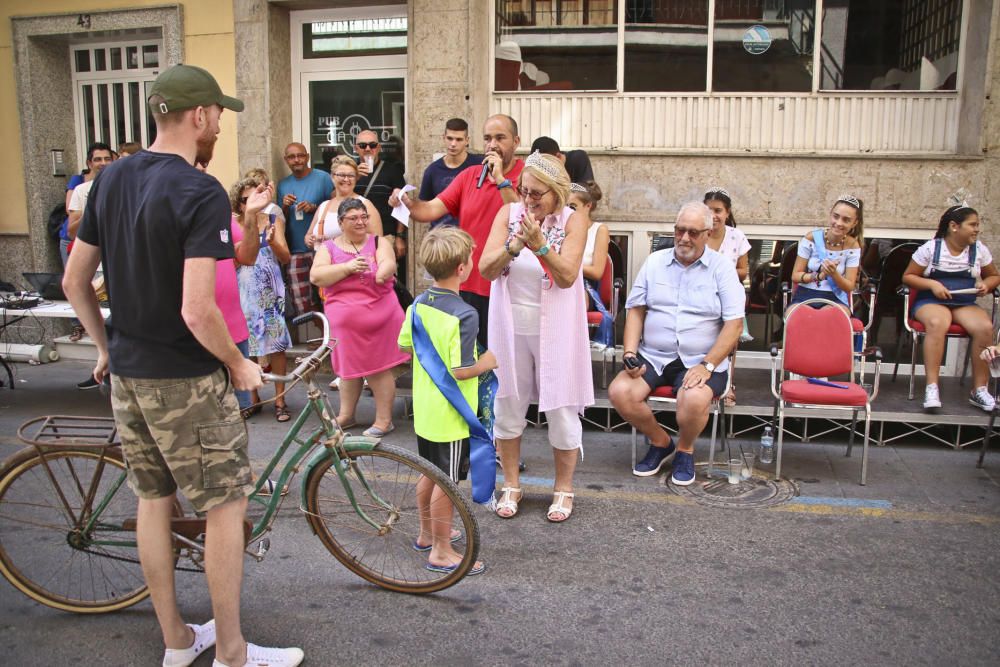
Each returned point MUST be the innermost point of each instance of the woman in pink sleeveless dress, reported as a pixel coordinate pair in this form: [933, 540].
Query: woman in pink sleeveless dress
[356, 269]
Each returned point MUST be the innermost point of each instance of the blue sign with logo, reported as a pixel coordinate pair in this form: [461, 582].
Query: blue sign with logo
[756, 40]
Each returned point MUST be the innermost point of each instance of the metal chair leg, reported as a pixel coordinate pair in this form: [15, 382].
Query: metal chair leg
[913, 362]
[864, 454]
[781, 439]
[850, 439]
[986, 437]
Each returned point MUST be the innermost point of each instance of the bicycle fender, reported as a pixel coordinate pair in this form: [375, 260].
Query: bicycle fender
[351, 442]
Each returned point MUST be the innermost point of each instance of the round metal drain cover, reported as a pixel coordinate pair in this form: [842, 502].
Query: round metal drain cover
[754, 493]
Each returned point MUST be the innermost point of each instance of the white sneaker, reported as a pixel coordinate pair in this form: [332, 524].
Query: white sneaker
[204, 638]
[932, 399]
[981, 399]
[261, 656]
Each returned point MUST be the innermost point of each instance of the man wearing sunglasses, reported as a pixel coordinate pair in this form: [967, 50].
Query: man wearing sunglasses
[685, 315]
[377, 178]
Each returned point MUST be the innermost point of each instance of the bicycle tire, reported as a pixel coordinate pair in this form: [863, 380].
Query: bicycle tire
[387, 560]
[41, 551]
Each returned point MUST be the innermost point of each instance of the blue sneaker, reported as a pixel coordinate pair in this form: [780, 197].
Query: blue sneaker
[654, 460]
[683, 469]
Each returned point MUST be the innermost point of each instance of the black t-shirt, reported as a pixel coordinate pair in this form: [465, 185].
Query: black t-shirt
[148, 214]
[389, 178]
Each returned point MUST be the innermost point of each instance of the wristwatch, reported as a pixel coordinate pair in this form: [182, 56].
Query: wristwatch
[709, 365]
[506, 246]
[543, 251]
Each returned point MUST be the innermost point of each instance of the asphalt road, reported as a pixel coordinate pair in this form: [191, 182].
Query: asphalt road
[903, 571]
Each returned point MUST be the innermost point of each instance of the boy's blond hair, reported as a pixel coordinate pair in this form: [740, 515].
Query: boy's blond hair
[443, 249]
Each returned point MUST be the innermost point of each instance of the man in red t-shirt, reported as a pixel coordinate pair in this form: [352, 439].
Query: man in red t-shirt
[475, 207]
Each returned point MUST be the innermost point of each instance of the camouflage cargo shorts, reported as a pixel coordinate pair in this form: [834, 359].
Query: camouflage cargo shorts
[183, 433]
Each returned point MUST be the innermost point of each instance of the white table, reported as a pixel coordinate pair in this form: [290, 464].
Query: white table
[50, 309]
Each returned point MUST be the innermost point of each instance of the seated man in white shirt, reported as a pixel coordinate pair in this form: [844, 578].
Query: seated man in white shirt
[685, 315]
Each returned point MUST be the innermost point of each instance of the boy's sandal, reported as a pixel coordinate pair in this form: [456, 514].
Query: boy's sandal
[730, 398]
[557, 508]
[281, 413]
[507, 502]
[77, 333]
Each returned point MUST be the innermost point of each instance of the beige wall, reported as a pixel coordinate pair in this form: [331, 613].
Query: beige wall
[207, 41]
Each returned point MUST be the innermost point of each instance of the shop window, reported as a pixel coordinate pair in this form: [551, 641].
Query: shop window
[747, 46]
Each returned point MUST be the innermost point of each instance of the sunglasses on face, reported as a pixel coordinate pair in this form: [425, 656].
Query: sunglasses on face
[532, 194]
[351, 219]
[679, 232]
[371, 144]
[296, 156]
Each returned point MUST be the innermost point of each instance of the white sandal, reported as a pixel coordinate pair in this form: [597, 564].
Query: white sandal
[507, 503]
[557, 506]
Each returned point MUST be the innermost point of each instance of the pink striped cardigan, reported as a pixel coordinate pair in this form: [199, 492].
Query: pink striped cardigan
[564, 371]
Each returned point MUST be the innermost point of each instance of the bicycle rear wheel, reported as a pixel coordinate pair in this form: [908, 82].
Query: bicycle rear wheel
[45, 551]
[384, 484]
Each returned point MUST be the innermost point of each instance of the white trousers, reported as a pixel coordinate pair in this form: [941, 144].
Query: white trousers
[565, 429]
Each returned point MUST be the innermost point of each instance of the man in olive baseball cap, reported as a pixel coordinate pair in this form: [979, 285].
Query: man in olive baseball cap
[186, 87]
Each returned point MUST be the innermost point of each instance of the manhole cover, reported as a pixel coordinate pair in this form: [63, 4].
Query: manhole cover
[753, 493]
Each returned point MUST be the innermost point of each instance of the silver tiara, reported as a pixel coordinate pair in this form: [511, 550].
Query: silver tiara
[536, 161]
[718, 190]
[850, 199]
[576, 187]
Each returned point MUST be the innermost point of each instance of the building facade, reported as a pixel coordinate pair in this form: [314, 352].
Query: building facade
[786, 104]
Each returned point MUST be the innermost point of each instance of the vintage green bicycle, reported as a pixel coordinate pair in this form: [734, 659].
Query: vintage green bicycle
[67, 518]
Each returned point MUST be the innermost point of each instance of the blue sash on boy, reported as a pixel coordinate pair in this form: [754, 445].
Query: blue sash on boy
[482, 452]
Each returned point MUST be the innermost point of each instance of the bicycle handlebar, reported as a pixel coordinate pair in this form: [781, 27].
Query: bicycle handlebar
[312, 359]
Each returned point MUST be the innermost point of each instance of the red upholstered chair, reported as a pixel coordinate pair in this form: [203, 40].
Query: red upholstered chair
[915, 329]
[608, 289]
[819, 343]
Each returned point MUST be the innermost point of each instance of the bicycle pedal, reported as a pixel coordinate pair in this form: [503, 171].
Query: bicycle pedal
[262, 548]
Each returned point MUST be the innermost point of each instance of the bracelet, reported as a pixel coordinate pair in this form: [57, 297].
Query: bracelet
[632, 352]
[505, 183]
[506, 246]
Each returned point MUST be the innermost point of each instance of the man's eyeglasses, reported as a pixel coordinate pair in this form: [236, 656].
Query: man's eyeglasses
[347, 176]
[693, 233]
[371, 144]
[532, 194]
[351, 219]
[297, 156]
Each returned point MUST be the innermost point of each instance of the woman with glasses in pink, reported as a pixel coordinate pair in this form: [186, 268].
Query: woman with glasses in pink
[344, 172]
[355, 271]
[538, 326]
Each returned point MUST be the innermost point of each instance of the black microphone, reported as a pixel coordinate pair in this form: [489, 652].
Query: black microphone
[482, 175]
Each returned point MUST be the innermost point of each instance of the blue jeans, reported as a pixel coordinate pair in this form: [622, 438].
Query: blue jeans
[243, 397]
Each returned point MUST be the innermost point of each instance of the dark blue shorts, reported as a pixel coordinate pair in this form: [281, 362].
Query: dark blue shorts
[673, 376]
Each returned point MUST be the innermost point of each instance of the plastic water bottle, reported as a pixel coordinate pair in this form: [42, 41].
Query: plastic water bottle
[766, 446]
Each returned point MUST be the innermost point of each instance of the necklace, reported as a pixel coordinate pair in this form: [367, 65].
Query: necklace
[832, 244]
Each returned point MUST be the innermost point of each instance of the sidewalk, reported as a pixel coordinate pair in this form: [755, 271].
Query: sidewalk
[910, 475]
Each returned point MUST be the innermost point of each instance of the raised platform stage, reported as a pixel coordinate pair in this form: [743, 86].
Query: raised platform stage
[956, 424]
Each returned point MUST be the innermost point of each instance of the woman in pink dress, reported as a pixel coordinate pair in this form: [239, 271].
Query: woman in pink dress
[357, 269]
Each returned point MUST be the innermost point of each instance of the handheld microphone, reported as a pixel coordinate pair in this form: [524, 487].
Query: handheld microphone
[482, 175]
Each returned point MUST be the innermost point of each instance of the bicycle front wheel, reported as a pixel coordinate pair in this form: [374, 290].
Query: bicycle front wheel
[47, 552]
[385, 483]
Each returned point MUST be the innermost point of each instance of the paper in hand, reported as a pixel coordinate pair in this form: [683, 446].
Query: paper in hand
[402, 213]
